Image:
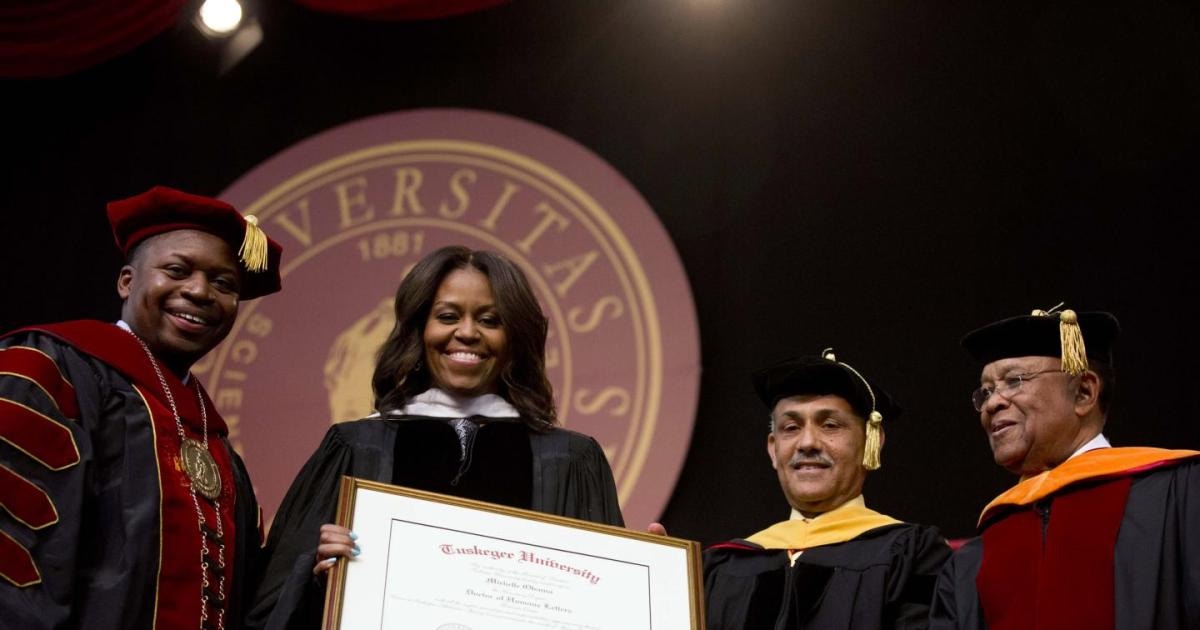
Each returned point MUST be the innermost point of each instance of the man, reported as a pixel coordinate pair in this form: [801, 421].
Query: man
[1091, 536]
[835, 563]
[124, 505]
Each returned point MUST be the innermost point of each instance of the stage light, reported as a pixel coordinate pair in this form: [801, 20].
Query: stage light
[219, 18]
[226, 31]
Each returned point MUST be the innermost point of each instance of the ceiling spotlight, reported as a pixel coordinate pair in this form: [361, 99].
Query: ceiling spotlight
[219, 17]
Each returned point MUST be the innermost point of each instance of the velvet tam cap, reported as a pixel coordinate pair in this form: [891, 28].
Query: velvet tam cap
[817, 375]
[1065, 335]
[162, 209]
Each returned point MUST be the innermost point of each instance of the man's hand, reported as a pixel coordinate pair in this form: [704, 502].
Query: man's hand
[657, 529]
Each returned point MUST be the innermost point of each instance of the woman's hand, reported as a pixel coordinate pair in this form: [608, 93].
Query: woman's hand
[335, 542]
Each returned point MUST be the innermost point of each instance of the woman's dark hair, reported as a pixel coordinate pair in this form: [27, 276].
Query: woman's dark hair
[523, 381]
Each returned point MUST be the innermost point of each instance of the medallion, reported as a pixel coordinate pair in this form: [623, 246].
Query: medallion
[201, 468]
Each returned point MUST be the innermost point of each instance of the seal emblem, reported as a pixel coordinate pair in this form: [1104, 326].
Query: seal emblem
[200, 468]
[357, 206]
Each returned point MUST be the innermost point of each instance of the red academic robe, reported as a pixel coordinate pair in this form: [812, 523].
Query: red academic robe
[98, 529]
[1105, 540]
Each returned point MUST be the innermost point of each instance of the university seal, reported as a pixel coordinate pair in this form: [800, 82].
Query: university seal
[356, 206]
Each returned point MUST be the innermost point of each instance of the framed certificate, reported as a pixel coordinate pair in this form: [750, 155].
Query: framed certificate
[435, 562]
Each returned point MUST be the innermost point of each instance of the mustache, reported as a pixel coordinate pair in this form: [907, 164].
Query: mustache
[800, 459]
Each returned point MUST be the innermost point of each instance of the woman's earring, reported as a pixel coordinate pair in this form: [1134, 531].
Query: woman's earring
[418, 366]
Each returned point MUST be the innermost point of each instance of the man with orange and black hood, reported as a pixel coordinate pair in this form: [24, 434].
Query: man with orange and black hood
[835, 563]
[124, 504]
[1091, 536]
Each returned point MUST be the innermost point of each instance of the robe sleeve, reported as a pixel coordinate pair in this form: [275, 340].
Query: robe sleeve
[955, 600]
[288, 595]
[1157, 555]
[44, 456]
[721, 596]
[571, 477]
[1189, 514]
[743, 589]
[249, 551]
[916, 561]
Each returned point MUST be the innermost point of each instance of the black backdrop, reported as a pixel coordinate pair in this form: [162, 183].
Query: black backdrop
[876, 178]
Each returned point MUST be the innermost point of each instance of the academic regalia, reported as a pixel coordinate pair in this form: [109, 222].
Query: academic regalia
[857, 569]
[849, 567]
[559, 472]
[98, 528]
[1107, 539]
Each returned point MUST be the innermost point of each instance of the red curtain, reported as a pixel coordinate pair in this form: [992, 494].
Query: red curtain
[400, 9]
[51, 38]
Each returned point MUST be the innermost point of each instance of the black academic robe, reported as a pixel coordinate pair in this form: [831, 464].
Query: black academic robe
[882, 578]
[1156, 559]
[559, 472]
[97, 525]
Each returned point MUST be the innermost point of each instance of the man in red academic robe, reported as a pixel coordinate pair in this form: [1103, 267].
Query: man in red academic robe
[124, 504]
[1092, 536]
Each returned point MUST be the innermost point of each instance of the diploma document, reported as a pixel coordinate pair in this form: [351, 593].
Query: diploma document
[434, 562]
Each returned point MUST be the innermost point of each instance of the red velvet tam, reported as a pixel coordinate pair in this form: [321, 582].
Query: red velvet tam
[161, 209]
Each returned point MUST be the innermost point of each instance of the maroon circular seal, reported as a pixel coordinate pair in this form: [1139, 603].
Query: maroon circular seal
[356, 206]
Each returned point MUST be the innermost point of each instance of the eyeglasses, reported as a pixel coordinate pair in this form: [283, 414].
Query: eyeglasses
[1007, 387]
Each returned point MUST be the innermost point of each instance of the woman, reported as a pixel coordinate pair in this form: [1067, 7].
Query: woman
[464, 408]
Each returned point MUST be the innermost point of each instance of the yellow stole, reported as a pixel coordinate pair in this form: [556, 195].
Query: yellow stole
[843, 523]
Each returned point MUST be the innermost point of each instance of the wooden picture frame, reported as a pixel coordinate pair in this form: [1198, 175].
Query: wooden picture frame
[446, 563]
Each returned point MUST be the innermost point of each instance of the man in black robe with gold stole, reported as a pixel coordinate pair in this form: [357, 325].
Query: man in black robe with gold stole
[1092, 536]
[835, 563]
[122, 502]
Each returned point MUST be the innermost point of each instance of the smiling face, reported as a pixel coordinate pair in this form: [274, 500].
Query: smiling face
[1035, 427]
[816, 448]
[180, 291]
[466, 345]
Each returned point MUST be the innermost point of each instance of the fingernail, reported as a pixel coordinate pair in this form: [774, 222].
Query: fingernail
[353, 536]
[356, 551]
[332, 560]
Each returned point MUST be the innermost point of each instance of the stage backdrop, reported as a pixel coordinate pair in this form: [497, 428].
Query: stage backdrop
[355, 207]
[876, 177]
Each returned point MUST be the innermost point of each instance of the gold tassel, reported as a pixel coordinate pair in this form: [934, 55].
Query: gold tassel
[874, 443]
[1074, 355]
[253, 252]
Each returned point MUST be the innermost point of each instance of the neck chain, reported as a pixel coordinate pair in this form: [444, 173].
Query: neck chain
[205, 477]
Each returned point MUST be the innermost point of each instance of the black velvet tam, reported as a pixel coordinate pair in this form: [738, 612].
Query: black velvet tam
[814, 375]
[1038, 336]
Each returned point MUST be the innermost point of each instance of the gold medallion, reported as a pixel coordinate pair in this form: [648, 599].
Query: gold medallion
[201, 468]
